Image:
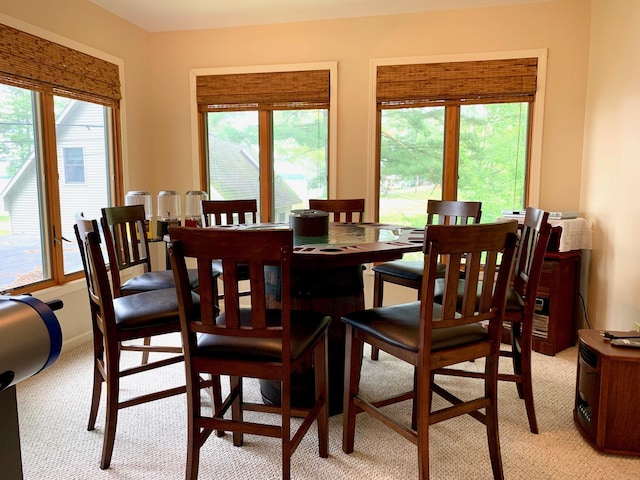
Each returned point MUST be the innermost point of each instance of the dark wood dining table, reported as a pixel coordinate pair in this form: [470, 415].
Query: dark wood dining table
[327, 277]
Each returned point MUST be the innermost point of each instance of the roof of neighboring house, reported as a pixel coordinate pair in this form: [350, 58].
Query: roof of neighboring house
[241, 177]
[71, 107]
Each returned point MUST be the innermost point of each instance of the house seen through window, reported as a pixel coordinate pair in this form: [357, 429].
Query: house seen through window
[266, 137]
[57, 156]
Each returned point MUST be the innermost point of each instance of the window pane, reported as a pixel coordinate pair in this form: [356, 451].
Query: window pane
[233, 156]
[83, 168]
[493, 156]
[300, 159]
[73, 164]
[411, 163]
[22, 243]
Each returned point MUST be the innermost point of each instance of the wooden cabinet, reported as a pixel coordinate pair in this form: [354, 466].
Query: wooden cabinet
[555, 318]
[606, 404]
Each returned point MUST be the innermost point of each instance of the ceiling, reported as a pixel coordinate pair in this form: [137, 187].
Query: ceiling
[173, 15]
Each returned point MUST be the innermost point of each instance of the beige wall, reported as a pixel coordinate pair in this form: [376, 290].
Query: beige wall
[157, 113]
[611, 172]
[353, 43]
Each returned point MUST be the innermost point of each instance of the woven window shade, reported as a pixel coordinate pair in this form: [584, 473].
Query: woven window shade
[32, 62]
[489, 81]
[263, 91]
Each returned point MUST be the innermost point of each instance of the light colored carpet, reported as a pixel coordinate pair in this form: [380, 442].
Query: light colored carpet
[151, 439]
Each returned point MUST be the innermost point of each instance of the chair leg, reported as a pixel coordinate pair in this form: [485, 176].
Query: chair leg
[320, 366]
[216, 398]
[145, 355]
[420, 416]
[378, 291]
[95, 396]
[111, 419]
[98, 349]
[353, 359]
[236, 408]
[285, 405]
[491, 418]
[516, 349]
[527, 387]
[193, 432]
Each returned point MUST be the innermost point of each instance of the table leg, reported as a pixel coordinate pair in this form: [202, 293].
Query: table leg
[335, 292]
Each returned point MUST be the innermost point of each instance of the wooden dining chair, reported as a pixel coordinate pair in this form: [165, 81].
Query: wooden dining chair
[408, 273]
[127, 245]
[116, 320]
[520, 308]
[429, 336]
[230, 212]
[253, 342]
[349, 210]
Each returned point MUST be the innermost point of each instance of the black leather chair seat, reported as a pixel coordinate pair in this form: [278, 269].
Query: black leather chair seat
[156, 280]
[145, 309]
[515, 303]
[398, 325]
[306, 328]
[407, 269]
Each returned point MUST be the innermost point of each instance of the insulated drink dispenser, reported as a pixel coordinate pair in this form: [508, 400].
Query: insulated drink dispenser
[193, 208]
[140, 197]
[168, 210]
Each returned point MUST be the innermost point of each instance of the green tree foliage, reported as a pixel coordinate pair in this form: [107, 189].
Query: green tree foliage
[16, 127]
[493, 156]
[411, 148]
[491, 165]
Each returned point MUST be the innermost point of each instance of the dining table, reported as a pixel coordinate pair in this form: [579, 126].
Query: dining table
[327, 277]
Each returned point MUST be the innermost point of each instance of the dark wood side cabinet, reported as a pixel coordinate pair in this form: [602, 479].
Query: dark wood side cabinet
[607, 404]
[555, 318]
[554, 326]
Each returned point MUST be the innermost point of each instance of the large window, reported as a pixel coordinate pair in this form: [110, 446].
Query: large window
[454, 131]
[266, 136]
[57, 156]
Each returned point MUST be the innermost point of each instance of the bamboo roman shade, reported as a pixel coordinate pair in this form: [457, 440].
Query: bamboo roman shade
[32, 62]
[263, 91]
[486, 81]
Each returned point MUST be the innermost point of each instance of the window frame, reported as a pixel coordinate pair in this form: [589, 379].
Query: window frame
[45, 88]
[199, 129]
[536, 115]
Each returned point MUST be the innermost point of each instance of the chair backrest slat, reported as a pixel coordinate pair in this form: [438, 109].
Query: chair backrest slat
[453, 212]
[125, 236]
[229, 212]
[261, 250]
[532, 246]
[96, 274]
[348, 210]
[482, 246]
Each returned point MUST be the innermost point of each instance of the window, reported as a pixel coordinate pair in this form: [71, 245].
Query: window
[58, 115]
[73, 164]
[454, 131]
[266, 136]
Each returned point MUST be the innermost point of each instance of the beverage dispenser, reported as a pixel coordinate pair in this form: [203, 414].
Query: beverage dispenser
[193, 208]
[169, 212]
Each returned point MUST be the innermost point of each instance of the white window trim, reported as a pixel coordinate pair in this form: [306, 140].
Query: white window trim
[538, 111]
[293, 67]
